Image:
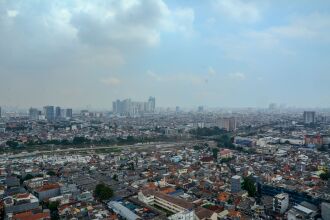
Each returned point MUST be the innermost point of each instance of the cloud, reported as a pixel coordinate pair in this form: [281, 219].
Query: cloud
[129, 22]
[181, 20]
[51, 35]
[237, 76]
[211, 71]
[12, 13]
[238, 10]
[154, 76]
[313, 26]
[178, 77]
[111, 81]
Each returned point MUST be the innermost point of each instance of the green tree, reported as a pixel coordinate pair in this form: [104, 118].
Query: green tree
[325, 176]
[12, 144]
[215, 152]
[103, 192]
[248, 185]
[51, 173]
[27, 177]
[53, 206]
[115, 177]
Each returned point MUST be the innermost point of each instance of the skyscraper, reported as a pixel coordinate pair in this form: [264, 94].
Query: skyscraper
[68, 113]
[49, 112]
[33, 113]
[0, 112]
[309, 117]
[151, 104]
[128, 107]
[57, 112]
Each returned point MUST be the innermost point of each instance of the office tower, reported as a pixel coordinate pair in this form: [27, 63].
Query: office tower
[151, 105]
[200, 109]
[33, 113]
[177, 109]
[68, 113]
[280, 203]
[309, 117]
[236, 184]
[57, 112]
[49, 113]
[0, 112]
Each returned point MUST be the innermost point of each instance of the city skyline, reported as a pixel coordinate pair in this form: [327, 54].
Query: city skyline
[215, 53]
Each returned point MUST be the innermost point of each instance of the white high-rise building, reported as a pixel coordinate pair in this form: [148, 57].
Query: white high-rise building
[281, 203]
[309, 117]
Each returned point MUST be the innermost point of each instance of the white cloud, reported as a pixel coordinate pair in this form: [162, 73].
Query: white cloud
[12, 13]
[111, 81]
[237, 76]
[238, 10]
[211, 71]
[154, 75]
[180, 20]
[178, 77]
[304, 27]
[63, 35]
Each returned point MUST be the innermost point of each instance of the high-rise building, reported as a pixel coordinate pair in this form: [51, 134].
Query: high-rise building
[228, 124]
[33, 113]
[0, 112]
[57, 112]
[49, 112]
[68, 113]
[309, 117]
[200, 109]
[151, 105]
[236, 184]
[128, 107]
[280, 203]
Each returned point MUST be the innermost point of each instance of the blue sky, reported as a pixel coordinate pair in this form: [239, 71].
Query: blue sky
[216, 53]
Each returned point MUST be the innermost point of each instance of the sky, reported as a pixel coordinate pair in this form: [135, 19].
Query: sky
[215, 53]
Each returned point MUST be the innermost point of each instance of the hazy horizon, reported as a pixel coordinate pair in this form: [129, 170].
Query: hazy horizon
[213, 53]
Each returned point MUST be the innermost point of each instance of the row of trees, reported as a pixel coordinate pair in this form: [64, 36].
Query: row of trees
[207, 132]
[84, 140]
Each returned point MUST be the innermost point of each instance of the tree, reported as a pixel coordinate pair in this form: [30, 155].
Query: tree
[248, 185]
[27, 177]
[12, 144]
[53, 206]
[325, 176]
[51, 173]
[115, 177]
[103, 192]
[215, 152]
